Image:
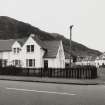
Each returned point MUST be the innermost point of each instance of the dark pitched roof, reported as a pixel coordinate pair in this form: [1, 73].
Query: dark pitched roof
[5, 45]
[41, 43]
[22, 40]
[52, 48]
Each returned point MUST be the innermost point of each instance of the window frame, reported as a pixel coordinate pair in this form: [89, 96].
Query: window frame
[14, 50]
[28, 48]
[30, 62]
[32, 48]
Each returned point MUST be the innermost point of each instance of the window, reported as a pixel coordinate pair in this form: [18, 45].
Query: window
[34, 62]
[30, 62]
[18, 50]
[45, 64]
[14, 50]
[17, 63]
[4, 63]
[30, 48]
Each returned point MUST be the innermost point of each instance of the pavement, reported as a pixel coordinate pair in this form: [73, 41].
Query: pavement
[53, 80]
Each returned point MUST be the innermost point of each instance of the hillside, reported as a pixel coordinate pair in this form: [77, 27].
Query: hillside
[11, 29]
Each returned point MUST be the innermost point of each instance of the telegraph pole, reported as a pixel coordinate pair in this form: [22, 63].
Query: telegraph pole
[70, 43]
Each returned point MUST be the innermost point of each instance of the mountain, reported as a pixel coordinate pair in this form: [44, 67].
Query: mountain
[11, 29]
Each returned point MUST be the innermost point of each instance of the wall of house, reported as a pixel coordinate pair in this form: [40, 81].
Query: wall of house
[59, 61]
[1, 55]
[99, 62]
[7, 56]
[86, 63]
[37, 54]
[15, 55]
[23, 55]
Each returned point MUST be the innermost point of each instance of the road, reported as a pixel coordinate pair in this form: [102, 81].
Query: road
[33, 93]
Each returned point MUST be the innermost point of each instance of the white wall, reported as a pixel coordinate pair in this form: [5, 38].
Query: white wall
[99, 62]
[60, 57]
[59, 61]
[15, 56]
[7, 56]
[1, 55]
[37, 54]
[86, 63]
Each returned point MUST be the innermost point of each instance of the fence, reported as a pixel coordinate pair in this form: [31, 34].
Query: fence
[77, 73]
[101, 73]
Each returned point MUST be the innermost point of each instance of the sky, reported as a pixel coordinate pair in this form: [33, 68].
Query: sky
[56, 16]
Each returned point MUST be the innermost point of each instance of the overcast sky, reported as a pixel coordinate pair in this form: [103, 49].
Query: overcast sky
[87, 16]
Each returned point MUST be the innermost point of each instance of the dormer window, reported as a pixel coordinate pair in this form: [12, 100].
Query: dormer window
[16, 50]
[30, 48]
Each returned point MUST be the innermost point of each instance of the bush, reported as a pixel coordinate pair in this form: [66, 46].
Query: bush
[10, 70]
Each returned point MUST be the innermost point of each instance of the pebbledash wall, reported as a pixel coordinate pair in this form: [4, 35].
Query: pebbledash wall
[37, 54]
[23, 55]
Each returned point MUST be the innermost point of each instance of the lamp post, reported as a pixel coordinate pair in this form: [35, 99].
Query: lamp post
[70, 43]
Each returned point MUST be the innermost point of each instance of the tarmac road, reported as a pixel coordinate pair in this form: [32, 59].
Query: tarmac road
[33, 93]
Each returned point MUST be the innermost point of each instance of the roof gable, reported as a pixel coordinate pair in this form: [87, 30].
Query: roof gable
[22, 41]
[39, 42]
[51, 47]
[16, 44]
[6, 45]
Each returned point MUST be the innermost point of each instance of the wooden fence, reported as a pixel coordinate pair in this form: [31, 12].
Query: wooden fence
[77, 73]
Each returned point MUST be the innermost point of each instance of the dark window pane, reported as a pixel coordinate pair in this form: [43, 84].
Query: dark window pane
[14, 50]
[34, 62]
[16, 62]
[18, 50]
[4, 63]
[28, 48]
[30, 62]
[32, 48]
[45, 64]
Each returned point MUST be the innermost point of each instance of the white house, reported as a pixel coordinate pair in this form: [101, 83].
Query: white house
[87, 60]
[31, 52]
[5, 52]
[67, 60]
[100, 60]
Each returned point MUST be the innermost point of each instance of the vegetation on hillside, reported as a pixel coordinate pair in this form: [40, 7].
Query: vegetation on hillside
[12, 29]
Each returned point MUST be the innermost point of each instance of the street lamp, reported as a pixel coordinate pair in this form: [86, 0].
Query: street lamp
[70, 43]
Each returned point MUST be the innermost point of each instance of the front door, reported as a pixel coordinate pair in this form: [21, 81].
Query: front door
[45, 64]
[0, 62]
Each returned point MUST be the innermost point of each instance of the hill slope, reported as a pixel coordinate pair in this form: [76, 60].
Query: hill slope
[11, 29]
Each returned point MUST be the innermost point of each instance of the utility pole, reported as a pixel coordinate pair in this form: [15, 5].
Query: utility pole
[70, 43]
